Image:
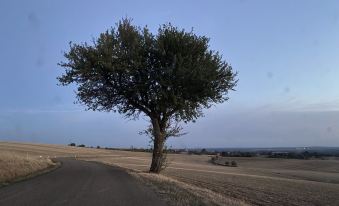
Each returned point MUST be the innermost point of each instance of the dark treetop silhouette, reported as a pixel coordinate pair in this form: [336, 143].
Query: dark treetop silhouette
[170, 76]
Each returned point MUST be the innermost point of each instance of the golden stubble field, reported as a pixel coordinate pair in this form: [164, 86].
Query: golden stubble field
[257, 181]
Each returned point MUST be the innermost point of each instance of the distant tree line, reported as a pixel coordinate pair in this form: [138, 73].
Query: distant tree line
[300, 155]
[238, 154]
[150, 150]
[222, 153]
[203, 151]
[74, 145]
[81, 145]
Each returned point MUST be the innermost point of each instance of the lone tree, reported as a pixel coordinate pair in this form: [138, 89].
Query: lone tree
[170, 76]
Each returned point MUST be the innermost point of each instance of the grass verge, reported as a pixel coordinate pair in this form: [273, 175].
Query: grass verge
[177, 193]
[15, 167]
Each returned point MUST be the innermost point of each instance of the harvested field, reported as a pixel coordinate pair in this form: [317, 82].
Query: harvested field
[258, 181]
[49, 149]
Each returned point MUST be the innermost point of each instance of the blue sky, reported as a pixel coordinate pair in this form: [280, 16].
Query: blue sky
[286, 53]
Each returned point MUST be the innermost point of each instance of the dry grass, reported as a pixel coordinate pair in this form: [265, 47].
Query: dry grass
[181, 194]
[16, 165]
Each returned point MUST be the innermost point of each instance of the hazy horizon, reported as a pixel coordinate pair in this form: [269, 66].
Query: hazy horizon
[286, 53]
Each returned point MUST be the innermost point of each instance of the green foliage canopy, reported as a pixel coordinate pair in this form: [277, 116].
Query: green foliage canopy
[127, 69]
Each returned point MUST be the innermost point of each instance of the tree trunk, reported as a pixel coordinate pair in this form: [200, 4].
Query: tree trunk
[157, 157]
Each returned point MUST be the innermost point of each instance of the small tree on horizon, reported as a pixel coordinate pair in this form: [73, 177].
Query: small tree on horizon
[169, 77]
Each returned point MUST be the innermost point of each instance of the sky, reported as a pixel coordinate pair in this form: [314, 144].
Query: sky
[286, 53]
